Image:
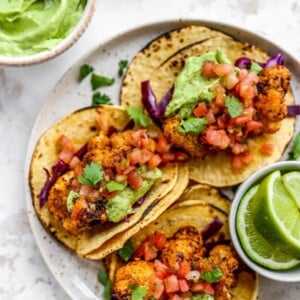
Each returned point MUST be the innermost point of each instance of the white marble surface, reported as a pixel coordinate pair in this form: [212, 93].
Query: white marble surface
[23, 92]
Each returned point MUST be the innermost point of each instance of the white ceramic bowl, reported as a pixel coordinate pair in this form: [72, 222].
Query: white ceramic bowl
[59, 48]
[292, 275]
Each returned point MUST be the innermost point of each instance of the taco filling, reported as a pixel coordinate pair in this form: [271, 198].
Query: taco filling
[182, 266]
[217, 106]
[110, 180]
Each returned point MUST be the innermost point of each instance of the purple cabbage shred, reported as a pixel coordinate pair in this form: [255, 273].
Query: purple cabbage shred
[293, 110]
[245, 62]
[211, 228]
[58, 169]
[155, 109]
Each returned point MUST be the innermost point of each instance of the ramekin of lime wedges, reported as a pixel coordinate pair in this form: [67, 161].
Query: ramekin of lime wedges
[264, 221]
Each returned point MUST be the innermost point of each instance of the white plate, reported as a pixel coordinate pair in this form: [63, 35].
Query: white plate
[78, 277]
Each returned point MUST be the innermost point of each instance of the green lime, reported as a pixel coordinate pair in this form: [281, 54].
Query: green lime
[254, 244]
[291, 181]
[276, 215]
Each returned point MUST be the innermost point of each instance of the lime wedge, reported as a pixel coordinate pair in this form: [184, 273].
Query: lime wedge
[291, 181]
[276, 215]
[254, 244]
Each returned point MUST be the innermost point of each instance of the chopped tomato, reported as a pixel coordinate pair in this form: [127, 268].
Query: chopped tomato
[200, 110]
[78, 170]
[159, 240]
[139, 252]
[140, 156]
[208, 289]
[154, 161]
[140, 138]
[220, 95]
[150, 252]
[66, 155]
[162, 271]
[208, 69]
[162, 145]
[197, 287]
[183, 285]
[128, 170]
[102, 122]
[267, 148]
[158, 289]
[66, 143]
[74, 162]
[230, 80]
[217, 138]
[254, 126]
[184, 268]
[223, 69]
[238, 148]
[134, 180]
[171, 284]
[210, 117]
[239, 160]
[108, 195]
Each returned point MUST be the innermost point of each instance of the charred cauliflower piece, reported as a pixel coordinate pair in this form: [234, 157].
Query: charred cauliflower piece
[184, 246]
[270, 104]
[58, 194]
[189, 142]
[141, 273]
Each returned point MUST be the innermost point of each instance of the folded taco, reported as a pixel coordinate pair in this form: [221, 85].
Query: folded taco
[224, 102]
[94, 174]
[185, 254]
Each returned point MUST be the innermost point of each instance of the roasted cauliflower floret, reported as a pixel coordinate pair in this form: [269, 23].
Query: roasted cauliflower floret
[99, 141]
[270, 102]
[141, 273]
[58, 194]
[189, 142]
[184, 246]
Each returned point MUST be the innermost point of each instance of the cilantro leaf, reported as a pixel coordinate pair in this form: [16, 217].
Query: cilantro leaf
[99, 81]
[113, 186]
[70, 199]
[137, 115]
[122, 65]
[234, 106]
[192, 125]
[294, 154]
[84, 71]
[126, 252]
[255, 67]
[138, 292]
[214, 275]
[99, 98]
[103, 279]
[92, 174]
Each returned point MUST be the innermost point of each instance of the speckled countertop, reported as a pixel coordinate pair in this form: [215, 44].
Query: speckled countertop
[23, 92]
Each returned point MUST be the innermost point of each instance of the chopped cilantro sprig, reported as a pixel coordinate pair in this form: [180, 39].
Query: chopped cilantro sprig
[136, 113]
[192, 125]
[294, 154]
[234, 106]
[92, 174]
[126, 252]
[122, 65]
[103, 279]
[99, 98]
[138, 292]
[99, 81]
[84, 71]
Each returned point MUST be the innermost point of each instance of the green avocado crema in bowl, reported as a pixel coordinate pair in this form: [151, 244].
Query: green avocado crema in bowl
[28, 27]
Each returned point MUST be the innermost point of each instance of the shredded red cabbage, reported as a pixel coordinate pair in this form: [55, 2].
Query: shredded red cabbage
[155, 109]
[139, 202]
[211, 228]
[57, 170]
[245, 62]
[293, 110]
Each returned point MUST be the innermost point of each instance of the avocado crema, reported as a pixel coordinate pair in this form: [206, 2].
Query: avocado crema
[28, 27]
[191, 87]
[120, 206]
